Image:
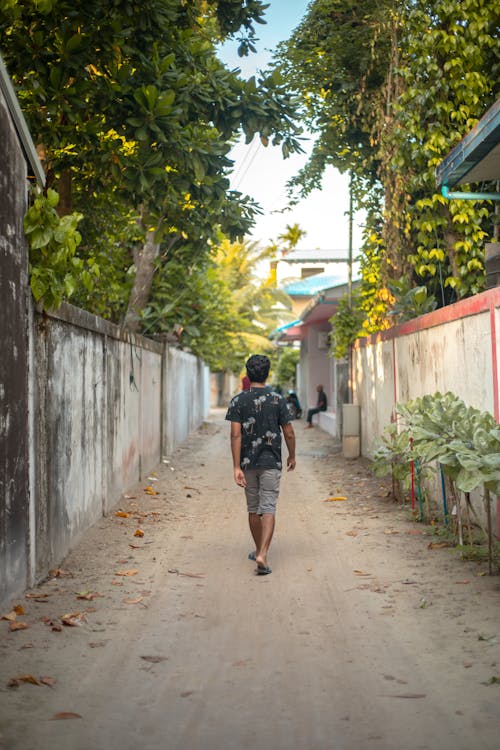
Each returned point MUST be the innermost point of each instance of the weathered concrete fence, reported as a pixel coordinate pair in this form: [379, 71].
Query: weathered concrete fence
[454, 349]
[108, 405]
[105, 407]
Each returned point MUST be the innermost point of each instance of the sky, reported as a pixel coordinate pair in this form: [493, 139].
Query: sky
[262, 172]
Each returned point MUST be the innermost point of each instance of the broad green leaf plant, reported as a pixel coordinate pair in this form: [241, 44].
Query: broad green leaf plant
[440, 431]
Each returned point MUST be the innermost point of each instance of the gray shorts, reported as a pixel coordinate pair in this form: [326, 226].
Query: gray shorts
[262, 490]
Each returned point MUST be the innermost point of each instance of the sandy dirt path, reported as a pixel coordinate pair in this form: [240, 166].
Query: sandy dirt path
[362, 637]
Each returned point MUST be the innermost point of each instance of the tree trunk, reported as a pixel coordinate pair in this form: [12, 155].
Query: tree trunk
[65, 205]
[144, 260]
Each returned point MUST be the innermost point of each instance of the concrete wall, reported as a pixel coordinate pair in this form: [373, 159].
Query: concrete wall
[452, 349]
[186, 396]
[14, 387]
[108, 405]
[105, 406]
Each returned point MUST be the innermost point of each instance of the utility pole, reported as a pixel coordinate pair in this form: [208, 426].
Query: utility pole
[349, 262]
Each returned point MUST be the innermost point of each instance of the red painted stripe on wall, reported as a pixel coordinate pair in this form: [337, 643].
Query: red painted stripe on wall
[480, 303]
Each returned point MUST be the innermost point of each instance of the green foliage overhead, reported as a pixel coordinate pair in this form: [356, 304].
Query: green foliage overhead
[389, 89]
[224, 310]
[135, 116]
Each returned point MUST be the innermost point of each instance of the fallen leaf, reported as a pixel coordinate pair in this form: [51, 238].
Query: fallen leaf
[492, 681]
[414, 532]
[13, 626]
[49, 681]
[131, 572]
[28, 678]
[65, 715]
[362, 573]
[11, 616]
[19, 609]
[136, 546]
[408, 695]
[351, 533]
[133, 601]
[188, 575]
[138, 532]
[121, 514]
[117, 583]
[335, 498]
[154, 659]
[87, 595]
[38, 597]
[130, 497]
[59, 573]
[72, 619]
[391, 531]
[438, 545]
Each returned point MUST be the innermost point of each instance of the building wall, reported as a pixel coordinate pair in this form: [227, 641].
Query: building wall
[14, 386]
[316, 368]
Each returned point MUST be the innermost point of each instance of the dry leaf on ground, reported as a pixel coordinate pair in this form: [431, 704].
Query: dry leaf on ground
[188, 575]
[27, 678]
[72, 619]
[362, 573]
[13, 626]
[11, 616]
[131, 572]
[138, 532]
[122, 514]
[133, 601]
[154, 659]
[65, 715]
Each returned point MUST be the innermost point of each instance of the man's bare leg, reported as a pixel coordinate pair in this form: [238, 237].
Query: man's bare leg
[267, 530]
[255, 529]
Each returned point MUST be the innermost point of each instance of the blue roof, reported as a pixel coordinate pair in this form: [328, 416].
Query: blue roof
[287, 326]
[312, 285]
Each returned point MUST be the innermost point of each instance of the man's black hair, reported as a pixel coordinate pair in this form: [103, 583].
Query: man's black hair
[258, 366]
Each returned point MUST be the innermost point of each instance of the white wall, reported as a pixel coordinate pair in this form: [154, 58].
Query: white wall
[107, 405]
[452, 349]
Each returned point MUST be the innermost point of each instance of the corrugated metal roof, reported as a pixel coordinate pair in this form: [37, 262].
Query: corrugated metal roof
[311, 285]
[477, 157]
[316, 256]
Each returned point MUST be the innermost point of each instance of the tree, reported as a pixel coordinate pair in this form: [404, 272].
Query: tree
[389, 88]
[219, 308]
[135, 115]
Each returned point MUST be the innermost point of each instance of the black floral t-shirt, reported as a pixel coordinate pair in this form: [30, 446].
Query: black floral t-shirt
[261, 412]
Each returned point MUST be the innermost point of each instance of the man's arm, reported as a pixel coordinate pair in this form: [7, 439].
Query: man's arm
[289, 435]
[239, 476]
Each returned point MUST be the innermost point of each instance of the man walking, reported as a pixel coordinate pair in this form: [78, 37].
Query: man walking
[320, 406]
[257, 418]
